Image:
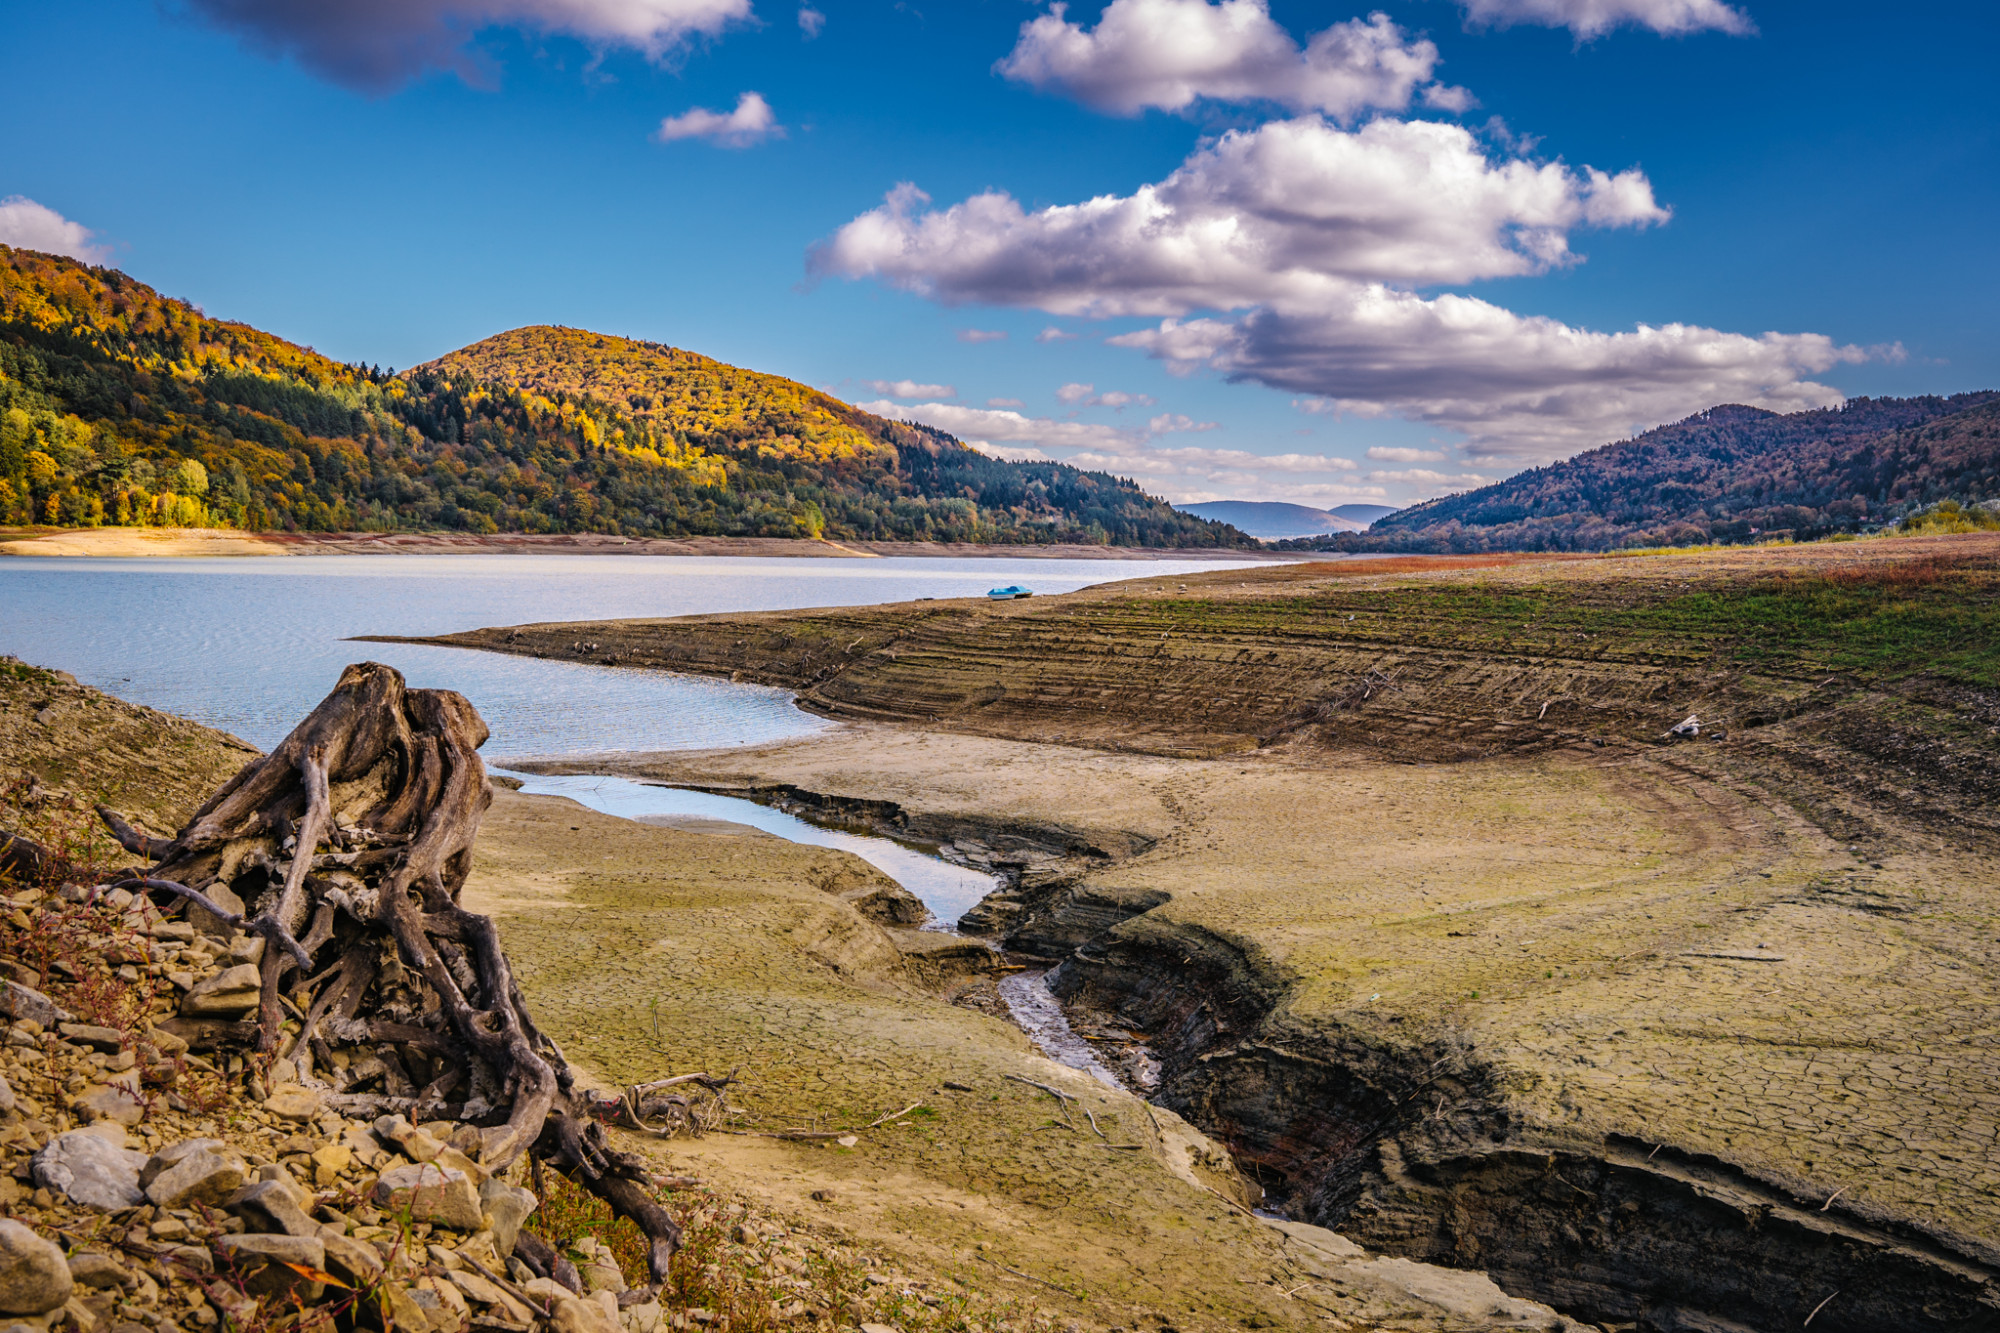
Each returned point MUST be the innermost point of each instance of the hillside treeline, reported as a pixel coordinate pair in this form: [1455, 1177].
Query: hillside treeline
[122, 407]
[1730, 474]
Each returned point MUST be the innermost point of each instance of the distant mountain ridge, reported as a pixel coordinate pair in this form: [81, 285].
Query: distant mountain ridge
[1730, 474]
[1271, 519]
[119, 406]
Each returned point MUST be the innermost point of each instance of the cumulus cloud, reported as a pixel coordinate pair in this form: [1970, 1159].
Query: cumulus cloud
[1291, 211]
[1085, 395]
[1311, 239]
[1520, 388]
[984, 425]
[982, 335]
[1052, 334]
[1168, 54]
[1074, 393]
[377, 45]
[811, 22]
[1593, 18]
[27, 225]
[911, 389]
[751, 122]
[1386, 454]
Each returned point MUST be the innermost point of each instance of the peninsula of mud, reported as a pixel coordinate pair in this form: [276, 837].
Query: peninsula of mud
[1619, 928]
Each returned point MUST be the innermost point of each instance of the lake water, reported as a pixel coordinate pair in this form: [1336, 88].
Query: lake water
[250, 644]
[950, 891]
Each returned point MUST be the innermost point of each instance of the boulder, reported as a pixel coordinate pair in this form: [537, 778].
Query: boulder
[577, 1315]
[230, 993]
[100, 1271]
[109, 1101]
[293, 1101]
[268, 1207]
[440, 1195]
[34, 1276]
[307, 1250]
[503, 1208]
[88, 1168]
[109, 1040]
[355, 1263]
[598, 1267]
[198, 1177]
[18, 1002]
[171, 1154]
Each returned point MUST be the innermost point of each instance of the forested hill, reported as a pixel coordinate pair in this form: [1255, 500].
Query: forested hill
[121, 406]
[1730, 474]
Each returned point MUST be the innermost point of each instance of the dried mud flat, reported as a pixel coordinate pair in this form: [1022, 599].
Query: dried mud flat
[1399, 879]
[989, 1208]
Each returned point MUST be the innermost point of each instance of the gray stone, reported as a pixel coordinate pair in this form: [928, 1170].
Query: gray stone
[109, 1040]
[112, 1101]
[97, 1270]
[90, 1169]
[207, 922]
[436, 1194]
[19, 1002]
[356, 1263]
[269, 1207]
[34, 1277]
[307, 1250]
[199, 1177]
[293, 1101]
[7, 1098]
[171, 1154]
[230, 993]
[504, 1207]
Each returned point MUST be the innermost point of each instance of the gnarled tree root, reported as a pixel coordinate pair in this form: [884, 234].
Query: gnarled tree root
[347, 847]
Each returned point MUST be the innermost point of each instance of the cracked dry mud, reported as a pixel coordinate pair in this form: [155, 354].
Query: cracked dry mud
[1470, 964]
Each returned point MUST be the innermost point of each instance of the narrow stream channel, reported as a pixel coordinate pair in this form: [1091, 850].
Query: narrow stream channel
[948, 890]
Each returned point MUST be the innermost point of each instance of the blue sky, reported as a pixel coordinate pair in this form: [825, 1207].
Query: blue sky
[1342, 257]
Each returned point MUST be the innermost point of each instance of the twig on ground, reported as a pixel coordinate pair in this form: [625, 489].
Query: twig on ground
[1829, 1203]
[1817, 1308]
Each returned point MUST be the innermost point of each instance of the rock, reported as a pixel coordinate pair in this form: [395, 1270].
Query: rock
[576, 1315]
[18, 1002]
[598, 1267]
[7, 1099]
[292, 1101]
[329, 1162]
[108, 1101]
[269, 1207]
[198, 1177]
[437, 1194]
[97, 1270]
[503, 1208]
[109, 1040]
[207, 922]
[353, 1262]
[879, 1328]
[440, 1300]
[34, 1277]
[401, 1311]
[407, 1139]
[307, 1250]
[172, 1154]
[643, 1317]
[483, 1292]
[230, 993]
[89, 1169]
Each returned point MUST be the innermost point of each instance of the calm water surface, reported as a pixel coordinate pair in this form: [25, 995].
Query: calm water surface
[250, 644]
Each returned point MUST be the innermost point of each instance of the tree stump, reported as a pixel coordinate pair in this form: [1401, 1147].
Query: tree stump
[348, 846]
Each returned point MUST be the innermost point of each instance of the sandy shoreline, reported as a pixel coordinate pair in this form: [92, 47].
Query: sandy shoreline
[129, 543]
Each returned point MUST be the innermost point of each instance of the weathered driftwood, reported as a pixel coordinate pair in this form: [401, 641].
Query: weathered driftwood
[345, 848]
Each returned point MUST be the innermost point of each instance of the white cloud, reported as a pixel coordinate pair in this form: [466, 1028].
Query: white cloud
[1418, 476]
[376, 45]
[1168, 54]
[1170, 422]
[1521, 388]
[751, 122]
[1084, 395]
[811, 22]
[1074, 393]
[982, 335]
[1593, 18]
[1292, 210]
[1052, 334]
[981, 425]
[1385, 454]
[1005, 402]
[27, 225]
[911, 389]
[1317, 235]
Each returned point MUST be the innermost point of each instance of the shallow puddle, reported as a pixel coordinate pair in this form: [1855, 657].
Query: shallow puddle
[1038, 1013]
